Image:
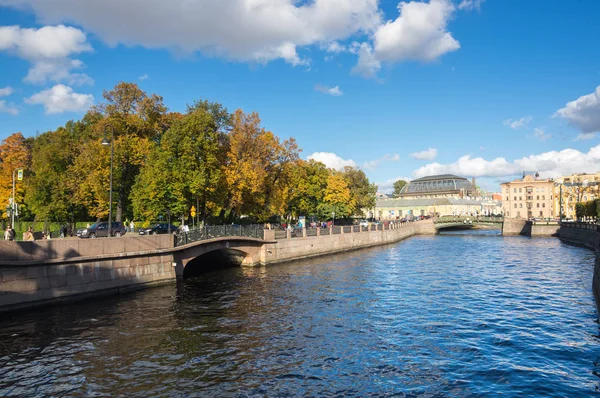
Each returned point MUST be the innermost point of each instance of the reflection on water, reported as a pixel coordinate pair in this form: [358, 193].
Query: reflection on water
[459, 314]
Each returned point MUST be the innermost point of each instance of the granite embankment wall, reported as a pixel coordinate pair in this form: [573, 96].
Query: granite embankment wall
[298, 248]
[44, 272]
[50, 271]
[587, 236]
[512, 227]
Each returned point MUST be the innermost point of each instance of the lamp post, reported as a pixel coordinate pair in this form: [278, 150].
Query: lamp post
[106, 142]
[13, 205]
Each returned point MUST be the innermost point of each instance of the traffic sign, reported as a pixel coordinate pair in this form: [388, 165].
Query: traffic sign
[20, 175]
[193, 211]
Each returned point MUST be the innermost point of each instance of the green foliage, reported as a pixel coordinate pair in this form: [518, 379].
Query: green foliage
[225, 164]
[587, 209]
[398, 185]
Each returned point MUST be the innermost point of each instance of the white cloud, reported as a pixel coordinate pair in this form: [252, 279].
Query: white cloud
[548, 164]
[61, 98]
[540, 134]
[469, 5]
[583, 113]
[518, 123]
[48, 49]
[331, 160]
[419, 33]
[144, 77]
[6, 91]
[5, 107]
[371, 164]
[244, 30]
[367, 65]
[585, 136]
[388, 186]
[333, 91]
[428, 154]
[335, 47]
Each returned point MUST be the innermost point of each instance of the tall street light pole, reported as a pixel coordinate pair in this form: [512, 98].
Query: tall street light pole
[12, 212]
[106, 142]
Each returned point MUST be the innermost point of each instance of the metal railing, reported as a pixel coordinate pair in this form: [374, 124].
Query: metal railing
[581, 225]
[219, 231]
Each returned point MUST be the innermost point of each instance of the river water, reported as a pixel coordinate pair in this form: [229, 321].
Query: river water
[463, 314]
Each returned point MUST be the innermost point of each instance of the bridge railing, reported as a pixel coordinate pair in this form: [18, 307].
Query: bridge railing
[581, 225]
[455, 219]
[219, 231]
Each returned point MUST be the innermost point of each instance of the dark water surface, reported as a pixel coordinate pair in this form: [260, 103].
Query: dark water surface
[466, 314]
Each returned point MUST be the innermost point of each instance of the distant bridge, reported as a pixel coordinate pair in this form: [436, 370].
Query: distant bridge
[465, 222]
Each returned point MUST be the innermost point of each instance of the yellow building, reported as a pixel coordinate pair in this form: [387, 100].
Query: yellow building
[575, 188]
[530, 197]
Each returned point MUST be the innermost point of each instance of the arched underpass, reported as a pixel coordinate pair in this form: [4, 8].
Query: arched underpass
[213, 260]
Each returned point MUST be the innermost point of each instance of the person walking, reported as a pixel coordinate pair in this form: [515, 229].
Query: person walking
[28, 235]
[9, 234]
[131, 226]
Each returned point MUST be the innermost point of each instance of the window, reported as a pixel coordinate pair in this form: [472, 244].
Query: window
[538, 197]
[541, 213]
[538, 205]
[544, 197]
[400, 213]
[521, 205]
[515, 198]
[518, 214]
[515, 190]
[520, 190]
[585, 198]
[515, 205]
[520, 198]
[543, 205]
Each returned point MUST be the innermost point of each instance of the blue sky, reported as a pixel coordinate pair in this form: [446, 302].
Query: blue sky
[475, 88]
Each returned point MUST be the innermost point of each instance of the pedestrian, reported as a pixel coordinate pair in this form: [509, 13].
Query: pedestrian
[6, 232]
[127, 225]
[88, 225]
[131, 226]
[28, 235]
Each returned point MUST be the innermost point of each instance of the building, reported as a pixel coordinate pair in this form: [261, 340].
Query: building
[529, 197]
[395, 209]
[575, 188]
[439, 186]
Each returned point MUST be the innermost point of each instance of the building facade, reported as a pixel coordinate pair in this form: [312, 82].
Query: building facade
[529, 197]
[396, 209]
[575, 188]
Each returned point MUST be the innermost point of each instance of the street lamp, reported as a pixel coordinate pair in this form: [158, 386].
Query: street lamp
[106, 142]
[333, 217]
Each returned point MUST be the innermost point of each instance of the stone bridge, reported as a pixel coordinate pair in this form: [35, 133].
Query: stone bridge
[466, 222]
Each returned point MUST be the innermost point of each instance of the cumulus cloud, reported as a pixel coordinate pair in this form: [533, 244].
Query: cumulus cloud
[367, 65]
[419, 33]
[331, 160]
[372, 164]
[549, 164]
[49, 49]
[6, 91]
[61, 98]
[5, 107]
[518, 123]
[583, 113]
[428, 154]
[245, 30]
[333, 91]
[388, 186]
[335, 47]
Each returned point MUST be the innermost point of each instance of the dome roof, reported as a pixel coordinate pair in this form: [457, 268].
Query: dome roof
[437, 183]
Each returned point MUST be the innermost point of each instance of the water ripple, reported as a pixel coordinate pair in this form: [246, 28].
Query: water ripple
[454, 315]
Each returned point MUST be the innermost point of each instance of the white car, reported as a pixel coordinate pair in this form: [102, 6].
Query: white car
[364, 223]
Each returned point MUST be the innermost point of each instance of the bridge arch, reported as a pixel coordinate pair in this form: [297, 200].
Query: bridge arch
[196, 258]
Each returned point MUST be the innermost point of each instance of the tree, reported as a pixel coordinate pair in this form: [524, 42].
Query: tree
[15, 153]
[137, 119]
[306, 188]
[398, 185]
[362, 191]
[337, 198]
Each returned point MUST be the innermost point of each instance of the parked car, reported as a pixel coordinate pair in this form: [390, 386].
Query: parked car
[100, 230]
[157, 229]
[364, 223]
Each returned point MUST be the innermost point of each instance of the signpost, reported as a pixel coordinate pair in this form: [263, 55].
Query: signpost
[193, 214]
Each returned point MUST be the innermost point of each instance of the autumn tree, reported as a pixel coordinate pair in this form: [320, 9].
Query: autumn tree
[398, 185]
[337, 198]
[137, 119]
[306, 188]
[15, 153]
[362, 191]
[185, 168]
